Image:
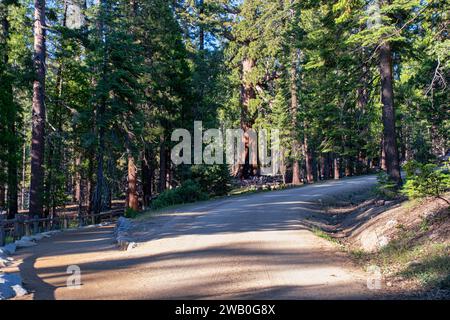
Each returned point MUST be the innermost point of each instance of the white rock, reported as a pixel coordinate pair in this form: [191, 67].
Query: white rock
[383, 241]
[19, 290]
[131, 246]
[391, 223]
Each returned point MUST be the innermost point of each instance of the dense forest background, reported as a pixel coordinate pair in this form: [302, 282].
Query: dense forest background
[90, 92]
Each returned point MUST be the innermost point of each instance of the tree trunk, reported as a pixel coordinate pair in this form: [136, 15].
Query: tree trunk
[38, 114]
[387, 98]
[12, 160]
[2, 196]
[308, 159]
[90, 185]
[98, 193]
[162, 166]
[383, 156]
[132, 195]
[77, 193]
[336, 169]
[201, 26]
[296, 180]
[247, 94]
[147, 176]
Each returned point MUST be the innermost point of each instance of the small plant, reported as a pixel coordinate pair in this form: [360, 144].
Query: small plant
[425, 180]
[130, 213]
[386, 188]
[189, 191]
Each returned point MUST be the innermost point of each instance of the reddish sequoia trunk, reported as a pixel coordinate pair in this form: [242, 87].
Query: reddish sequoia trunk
[322, 167]
[132, 195]
[38, 114]
[336, 168]
[247, 94]
[296, 180]
[348, 167]
[387, 98]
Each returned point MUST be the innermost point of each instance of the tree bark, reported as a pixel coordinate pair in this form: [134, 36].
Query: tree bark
[296, 180]
[132, 195]
[147, 176]
[77, 193]
[12, 159]
[336, 168]
[162, 165]
[38, 112]
[308, 158]
[247, 94]
[387, 98]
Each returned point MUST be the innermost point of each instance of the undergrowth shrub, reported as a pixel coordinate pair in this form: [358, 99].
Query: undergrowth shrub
[189, 191]
[386, 188]
[425, 180]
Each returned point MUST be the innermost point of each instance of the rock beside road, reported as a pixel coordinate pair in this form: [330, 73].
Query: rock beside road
[11, 286]
[122, 236]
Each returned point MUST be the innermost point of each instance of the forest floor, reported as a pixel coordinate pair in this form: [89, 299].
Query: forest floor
[256, 246]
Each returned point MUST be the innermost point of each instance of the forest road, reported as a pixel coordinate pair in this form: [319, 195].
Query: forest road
[253, 246]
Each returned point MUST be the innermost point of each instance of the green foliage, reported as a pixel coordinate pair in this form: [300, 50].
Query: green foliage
[189, 191]
[130, 213]
[386, 188]
[212, 179]
[425, 180]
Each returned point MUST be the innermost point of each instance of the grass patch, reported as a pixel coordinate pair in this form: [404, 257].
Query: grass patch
[427, 264]
[324, 235]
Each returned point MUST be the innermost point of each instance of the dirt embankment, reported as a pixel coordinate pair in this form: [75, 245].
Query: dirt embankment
[408, 240]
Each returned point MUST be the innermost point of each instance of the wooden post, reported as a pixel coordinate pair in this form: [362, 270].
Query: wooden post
[26, 224]
[18, 227]
[80, 220]
[2, 231]
[36, 225]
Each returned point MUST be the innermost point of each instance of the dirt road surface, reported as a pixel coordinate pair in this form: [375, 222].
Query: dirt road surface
[247, 247]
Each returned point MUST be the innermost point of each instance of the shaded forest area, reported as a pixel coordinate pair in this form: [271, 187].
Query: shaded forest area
[90, 92]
